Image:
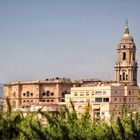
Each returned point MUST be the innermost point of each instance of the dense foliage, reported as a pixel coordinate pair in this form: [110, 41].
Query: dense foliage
[67, 126]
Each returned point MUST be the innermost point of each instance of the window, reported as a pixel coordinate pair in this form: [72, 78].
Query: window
[129, 93]
[124, 99]
[105, 99]
[28, 93]
[102, 113]
[68, 92]
[98, 99]
[43, 100]
[81, 100]
[124, 55]
[79, 107]
[133, 57]
[63, 94]
[75, 94]
[62, 99]
[48, 93]
[120, 77]
[126, 77]
[48, 100]
[81, 94]
[52, 94]
[43, 93]
[123, 76]
[52, 100]
[74, 100]
[98, 92]
[115, 99]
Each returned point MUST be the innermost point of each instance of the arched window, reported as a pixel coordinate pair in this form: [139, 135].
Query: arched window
[126, 77]
[52, 94]
[43, 93]
[48, 93]
[28, 93]
[124, 55]
[24, 100]
[133, 57]
[120, 77]
[123, 76]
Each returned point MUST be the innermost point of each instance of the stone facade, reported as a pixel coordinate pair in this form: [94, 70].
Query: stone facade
[126, 65]
[26, 93]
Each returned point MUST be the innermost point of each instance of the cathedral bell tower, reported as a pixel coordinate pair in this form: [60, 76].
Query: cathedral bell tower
[126, 65]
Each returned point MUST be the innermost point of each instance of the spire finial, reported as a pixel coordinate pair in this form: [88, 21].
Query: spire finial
[126, 28]
[126, 23]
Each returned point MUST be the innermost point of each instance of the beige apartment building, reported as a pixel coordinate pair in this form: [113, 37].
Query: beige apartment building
[104, 100]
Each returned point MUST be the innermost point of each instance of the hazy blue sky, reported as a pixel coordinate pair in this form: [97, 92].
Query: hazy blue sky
[66, 38]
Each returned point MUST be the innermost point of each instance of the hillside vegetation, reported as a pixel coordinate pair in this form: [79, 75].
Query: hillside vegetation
[67, 126]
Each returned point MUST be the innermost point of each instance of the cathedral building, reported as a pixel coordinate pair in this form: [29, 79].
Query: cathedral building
[24, 94]
[104, 97]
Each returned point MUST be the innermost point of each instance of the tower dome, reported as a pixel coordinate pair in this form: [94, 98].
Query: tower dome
[126, 40]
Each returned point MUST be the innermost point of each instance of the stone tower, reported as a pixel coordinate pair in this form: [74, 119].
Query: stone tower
[126, 65]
